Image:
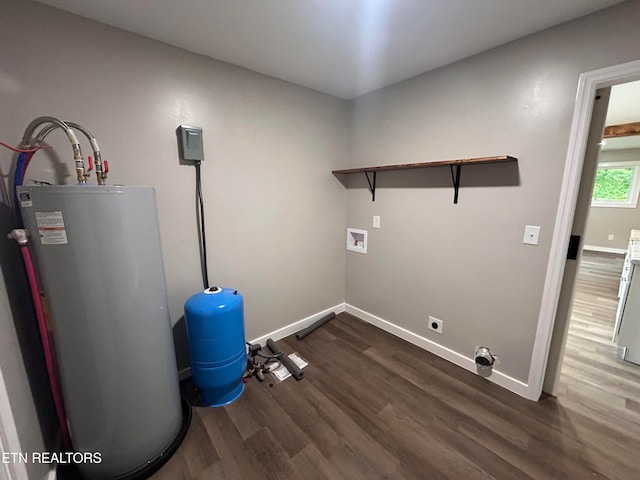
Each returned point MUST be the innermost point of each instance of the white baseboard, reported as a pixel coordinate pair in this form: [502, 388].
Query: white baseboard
[516, 386]
[467, 363]
[281, 332]
[299, 325]
[595, 248]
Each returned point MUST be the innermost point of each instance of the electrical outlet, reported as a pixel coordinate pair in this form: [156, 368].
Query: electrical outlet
[531, 234]
[376, 221]
[611, 236]
[435, 324]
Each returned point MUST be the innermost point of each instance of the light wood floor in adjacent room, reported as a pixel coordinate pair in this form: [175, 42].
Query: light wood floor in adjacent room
[592, 375]
[373, 406]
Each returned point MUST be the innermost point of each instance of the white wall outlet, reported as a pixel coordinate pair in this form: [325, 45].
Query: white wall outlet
[435, 324]
[611, 236]
[531, 234]
[376, 221]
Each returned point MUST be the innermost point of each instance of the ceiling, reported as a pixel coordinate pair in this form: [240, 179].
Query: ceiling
[624, 104]
[341, 47]
[624, 107]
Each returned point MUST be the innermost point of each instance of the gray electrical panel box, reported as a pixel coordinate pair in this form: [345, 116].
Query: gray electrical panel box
[190, 143]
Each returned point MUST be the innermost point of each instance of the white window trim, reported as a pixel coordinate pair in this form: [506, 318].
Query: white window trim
[634, 188]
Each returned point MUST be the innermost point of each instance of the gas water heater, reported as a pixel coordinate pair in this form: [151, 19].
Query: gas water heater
[100, 263]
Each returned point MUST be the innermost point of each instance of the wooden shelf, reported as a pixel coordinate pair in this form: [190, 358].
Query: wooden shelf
[440, 163]
[455, 176]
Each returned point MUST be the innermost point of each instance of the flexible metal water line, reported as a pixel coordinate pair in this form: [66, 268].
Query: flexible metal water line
[77, 151]
[36, 122]
[101, 173]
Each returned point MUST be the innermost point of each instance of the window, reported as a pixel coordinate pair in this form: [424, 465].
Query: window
[616, 185]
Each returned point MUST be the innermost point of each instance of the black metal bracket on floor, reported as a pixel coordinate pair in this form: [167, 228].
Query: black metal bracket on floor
[455, 177]
[372, 185]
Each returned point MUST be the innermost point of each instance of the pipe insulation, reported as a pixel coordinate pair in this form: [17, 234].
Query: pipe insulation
[285, 360]
[314, 326]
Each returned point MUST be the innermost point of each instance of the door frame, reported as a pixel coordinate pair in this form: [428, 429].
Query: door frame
[588, 83]
[9, 441]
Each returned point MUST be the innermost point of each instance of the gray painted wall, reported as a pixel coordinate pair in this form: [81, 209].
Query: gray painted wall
[617, 221]
[275, 214]
[466, 263]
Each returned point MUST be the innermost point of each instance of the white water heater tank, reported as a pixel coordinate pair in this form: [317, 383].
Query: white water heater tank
[100, 262]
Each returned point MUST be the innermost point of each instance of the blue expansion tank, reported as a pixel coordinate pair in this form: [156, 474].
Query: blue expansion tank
[215, 326]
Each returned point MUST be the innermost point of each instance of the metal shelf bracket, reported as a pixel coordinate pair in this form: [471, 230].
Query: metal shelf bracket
[372, 185]
[455, 177]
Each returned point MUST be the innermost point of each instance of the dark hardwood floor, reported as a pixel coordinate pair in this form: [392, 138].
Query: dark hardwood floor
[373, 406]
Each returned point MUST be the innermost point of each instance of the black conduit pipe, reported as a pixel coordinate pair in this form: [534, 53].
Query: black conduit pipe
[315, 325]
[285, 360]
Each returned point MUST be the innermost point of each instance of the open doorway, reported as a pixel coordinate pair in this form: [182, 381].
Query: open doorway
[593, 370]
[552, 325]
[599, 364]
